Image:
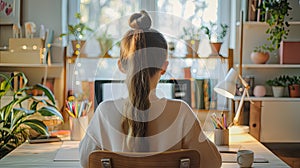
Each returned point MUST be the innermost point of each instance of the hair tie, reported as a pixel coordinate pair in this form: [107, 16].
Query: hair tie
[140, 20]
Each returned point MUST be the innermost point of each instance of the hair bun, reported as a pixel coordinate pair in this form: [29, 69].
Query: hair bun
[140, 20]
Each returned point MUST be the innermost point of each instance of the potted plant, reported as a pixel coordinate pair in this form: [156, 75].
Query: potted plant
[192, 39]
[278, 85]
[106, 42]
[260, 55]
[18, 122]
[277, 11]
[215, 37]
[294, 86]
[78, 32]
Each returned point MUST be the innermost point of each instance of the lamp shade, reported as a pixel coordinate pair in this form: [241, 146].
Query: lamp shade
[227, 87]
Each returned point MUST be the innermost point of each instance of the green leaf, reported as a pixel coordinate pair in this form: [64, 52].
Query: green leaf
[47, 92]
[37, 125]
[33, 105]
[49, 111]
[26, 111]
[20, 74]
[5, 130]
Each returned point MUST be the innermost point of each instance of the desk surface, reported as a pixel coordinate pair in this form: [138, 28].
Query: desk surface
[43, 154]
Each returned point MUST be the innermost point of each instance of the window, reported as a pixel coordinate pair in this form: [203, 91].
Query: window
[198, 12]
[100, 12]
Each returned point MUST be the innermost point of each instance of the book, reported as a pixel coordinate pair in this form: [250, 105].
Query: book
[199, 97]
[213, 94]
[48, 44]
[252, 9]
[206, 93]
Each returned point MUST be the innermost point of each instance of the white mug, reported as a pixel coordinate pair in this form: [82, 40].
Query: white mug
[245, 158]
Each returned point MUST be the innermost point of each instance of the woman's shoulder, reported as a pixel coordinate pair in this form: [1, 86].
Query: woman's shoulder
[176, 101]
[109, 105]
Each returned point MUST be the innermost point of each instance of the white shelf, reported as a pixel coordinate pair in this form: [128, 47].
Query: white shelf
[56, 65]
[288, 99]
[269, 65]
[254, 23]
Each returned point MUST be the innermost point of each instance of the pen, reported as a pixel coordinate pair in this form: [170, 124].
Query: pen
[70, 113]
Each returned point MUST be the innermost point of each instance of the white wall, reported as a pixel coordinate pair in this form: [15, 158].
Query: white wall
[44, 12]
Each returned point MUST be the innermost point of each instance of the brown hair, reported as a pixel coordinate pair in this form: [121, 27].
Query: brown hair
[142, 54]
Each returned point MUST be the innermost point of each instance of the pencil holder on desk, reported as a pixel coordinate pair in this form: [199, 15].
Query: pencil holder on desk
[221, 137]
[78, 127]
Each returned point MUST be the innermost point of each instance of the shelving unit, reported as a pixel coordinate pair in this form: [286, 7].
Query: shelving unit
[267, 112]
[268, 98]
[92, 63]
[56, 65]
[263, 66]
[35, 73]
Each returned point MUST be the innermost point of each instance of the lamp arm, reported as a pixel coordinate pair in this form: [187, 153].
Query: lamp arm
[247, 87]
[245, 84]
[238, 112]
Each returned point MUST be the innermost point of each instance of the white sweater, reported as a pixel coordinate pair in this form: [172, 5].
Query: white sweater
[172, 125]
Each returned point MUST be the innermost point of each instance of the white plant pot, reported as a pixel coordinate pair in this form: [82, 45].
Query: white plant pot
[278, 91]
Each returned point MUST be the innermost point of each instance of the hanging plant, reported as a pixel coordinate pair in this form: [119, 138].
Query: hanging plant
[277, 11]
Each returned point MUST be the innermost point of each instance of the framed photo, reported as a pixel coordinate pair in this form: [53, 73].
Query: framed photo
[10, 12]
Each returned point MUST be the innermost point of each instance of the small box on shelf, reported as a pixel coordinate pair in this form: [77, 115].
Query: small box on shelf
[23, 51]
[289, 52]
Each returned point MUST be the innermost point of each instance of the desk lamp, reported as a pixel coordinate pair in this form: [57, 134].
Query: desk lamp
[227, 88]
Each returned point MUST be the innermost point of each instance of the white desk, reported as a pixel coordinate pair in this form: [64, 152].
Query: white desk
[42, 155]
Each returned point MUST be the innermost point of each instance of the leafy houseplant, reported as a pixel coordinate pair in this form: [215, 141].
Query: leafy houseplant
[277, 11]
[278, 84]
[16, 121]
[214, 36]
[192, 39]
[212, 33]
[106, 41]
[78, 32]
[294, 86]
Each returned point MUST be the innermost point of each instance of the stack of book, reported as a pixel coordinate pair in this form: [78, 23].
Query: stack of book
[205, 97]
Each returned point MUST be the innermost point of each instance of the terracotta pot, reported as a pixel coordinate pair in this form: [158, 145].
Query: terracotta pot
[215, 48]
[77, 48]
[192, 47]
[259, 57]
[294, 90]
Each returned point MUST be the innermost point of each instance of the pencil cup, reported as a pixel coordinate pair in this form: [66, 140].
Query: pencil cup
[78, 127]
[221, 137]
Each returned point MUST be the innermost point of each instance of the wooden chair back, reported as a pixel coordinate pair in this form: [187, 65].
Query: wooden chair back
[184, 158]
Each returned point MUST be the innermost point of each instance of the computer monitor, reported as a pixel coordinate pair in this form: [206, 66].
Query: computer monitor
[115, 89]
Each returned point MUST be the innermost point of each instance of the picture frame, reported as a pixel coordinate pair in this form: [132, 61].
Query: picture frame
[10, 12]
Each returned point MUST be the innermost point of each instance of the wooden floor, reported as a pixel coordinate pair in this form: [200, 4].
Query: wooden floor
[288, 152]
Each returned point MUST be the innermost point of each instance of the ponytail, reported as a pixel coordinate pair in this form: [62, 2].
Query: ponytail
[140, 65]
